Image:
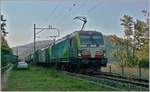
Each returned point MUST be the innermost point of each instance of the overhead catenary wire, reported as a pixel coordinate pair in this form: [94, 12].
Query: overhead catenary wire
[46, 20]
[95, 6]
[65, 14]
[82, 4]
[57, 20]
[51, 13]
[75, 6]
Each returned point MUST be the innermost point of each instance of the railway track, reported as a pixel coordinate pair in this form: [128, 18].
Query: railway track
[115, 82]
[124, 77]
[131, 80]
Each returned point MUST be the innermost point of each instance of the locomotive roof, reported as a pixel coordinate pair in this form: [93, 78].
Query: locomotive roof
[80, 32]
[73, 33]
[89, 32]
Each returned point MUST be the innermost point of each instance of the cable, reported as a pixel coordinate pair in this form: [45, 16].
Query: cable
[65, 14]
[50, 14]
[92, 8]
[59, 19]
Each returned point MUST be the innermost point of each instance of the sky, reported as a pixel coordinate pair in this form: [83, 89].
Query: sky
[102, 15]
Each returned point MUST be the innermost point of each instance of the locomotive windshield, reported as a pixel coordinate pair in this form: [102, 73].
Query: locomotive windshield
[91, 40]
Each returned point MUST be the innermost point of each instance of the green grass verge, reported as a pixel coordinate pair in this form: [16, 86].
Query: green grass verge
[41, 79]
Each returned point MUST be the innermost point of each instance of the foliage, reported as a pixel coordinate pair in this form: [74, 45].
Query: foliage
[133, 49]
[127, 23]
[144, 62]
[141, 45]
[5, 50]
[118, 51]
[143, 56]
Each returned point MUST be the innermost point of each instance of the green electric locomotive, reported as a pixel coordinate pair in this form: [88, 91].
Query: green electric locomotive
[78, 51]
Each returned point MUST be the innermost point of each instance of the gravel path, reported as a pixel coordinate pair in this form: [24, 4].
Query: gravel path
[4, 77]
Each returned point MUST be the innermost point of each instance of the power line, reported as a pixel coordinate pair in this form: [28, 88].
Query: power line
[51, 13]
[82, 4]
[58, 20]
[70, 9]
[65, 14]
[92, 8]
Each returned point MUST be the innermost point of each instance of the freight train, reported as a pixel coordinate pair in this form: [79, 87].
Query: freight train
[79, 51]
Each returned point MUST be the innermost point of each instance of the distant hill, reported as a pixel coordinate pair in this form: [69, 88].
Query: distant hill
[28, 48]
[24, 50]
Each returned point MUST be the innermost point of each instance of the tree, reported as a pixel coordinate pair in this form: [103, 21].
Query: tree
[119, 51]
[133, 49]
[127, 23]
[5, 50]
[141, 42]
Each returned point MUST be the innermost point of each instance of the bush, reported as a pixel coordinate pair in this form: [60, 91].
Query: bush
[144, 63]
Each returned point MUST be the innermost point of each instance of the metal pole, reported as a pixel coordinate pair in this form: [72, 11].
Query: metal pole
[140, 72]
[110, 68]
[17, 55]
[17, 52]
[122, 70]
[42, 29]
[34, 43]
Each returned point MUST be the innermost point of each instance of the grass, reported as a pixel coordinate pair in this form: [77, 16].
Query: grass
[128, 71]
[41, 79]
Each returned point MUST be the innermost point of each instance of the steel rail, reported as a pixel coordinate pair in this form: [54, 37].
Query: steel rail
[113, 82]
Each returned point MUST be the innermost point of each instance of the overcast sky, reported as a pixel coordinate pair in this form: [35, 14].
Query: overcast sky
[102, 15]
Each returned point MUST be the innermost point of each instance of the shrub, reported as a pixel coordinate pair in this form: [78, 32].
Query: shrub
[144, 62]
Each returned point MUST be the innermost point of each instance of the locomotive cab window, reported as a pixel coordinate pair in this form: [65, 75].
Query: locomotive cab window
[91, 39]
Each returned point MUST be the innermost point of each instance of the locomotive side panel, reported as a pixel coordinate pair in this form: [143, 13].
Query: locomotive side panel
[60, 51]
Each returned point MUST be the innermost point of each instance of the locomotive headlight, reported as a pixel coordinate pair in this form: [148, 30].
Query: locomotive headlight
[104, 53]
[79, 54]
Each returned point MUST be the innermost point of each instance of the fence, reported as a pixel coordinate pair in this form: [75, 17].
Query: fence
[5, 68]
[10, 58]
[136, 72]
